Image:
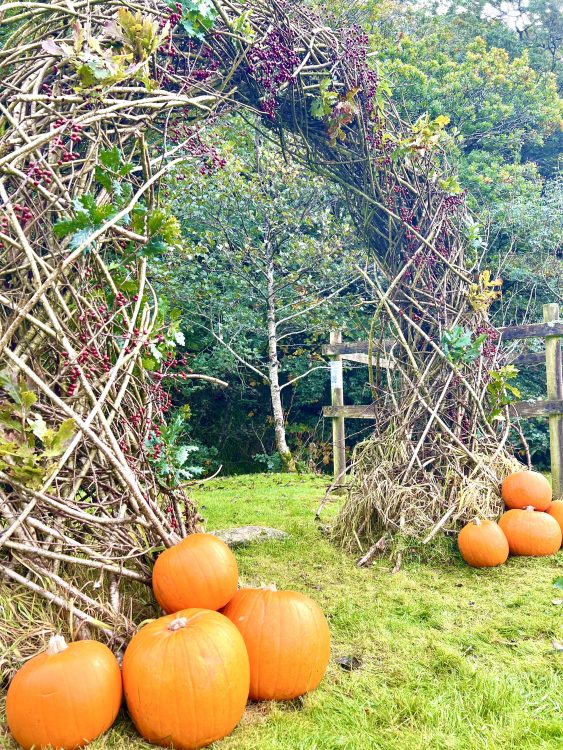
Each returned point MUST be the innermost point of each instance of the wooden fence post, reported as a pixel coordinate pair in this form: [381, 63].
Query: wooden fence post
[337, 399]
[554, 391]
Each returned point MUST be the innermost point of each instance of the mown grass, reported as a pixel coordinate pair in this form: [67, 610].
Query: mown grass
[450, 657]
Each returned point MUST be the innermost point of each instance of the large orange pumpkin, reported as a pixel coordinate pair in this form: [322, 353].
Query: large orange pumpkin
[482, 544]
[525, 488]
[556, 510]
[186, 679]
[200, 571]
[64, 697]
[531, 532]
[287, 638]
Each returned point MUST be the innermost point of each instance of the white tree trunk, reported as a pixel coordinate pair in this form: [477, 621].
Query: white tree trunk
[273, 372]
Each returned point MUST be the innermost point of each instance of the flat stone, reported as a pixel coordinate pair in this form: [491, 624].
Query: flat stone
[242, 535]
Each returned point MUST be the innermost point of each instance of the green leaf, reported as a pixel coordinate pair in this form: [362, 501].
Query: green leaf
[8, 420]
[111, 158]
[149, 363]
[38, 427]
[9, 383]
[558, 583]
[28, 399]
[198, 17]
[81, 237]
[60, 439]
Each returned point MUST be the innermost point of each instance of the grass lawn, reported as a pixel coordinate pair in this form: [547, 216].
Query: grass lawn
[451, 657]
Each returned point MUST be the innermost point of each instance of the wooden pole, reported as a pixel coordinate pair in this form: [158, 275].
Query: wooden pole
[554, 377]
[337, 399]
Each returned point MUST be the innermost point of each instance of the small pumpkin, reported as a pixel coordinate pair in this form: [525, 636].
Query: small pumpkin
[64, 697]
[186, 679]
[556, 510]
[200, 571]
[482, 544]
[525, 488]
[531, 532]
[287, 638]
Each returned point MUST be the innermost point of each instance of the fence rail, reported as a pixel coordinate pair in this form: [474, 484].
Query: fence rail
[552, 407]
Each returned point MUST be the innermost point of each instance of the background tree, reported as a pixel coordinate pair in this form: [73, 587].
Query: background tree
[268, 261]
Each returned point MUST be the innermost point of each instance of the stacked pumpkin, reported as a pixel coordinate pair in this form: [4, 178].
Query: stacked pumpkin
[532, 525]
[186, 676]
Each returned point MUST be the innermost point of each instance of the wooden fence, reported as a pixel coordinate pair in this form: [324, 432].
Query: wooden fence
[552, 407]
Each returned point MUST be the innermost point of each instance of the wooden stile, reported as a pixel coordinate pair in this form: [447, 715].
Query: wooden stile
[552, 407]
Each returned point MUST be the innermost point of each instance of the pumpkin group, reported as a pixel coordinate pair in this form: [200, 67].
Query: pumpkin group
[186, 678]
[482, 544]
[526, 488]
[287, 638]
[64, 697]
[200, 571]
[531, 533]
[532, 525]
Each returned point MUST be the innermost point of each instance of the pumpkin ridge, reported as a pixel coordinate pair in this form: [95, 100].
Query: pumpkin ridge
[63, 680]
[303, 664]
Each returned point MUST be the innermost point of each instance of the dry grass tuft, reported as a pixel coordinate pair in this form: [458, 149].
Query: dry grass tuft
[384, 496]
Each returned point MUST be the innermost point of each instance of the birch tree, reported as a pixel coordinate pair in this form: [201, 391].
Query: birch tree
[268, 260]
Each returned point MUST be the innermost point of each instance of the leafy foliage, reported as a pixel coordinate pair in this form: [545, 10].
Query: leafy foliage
[198, 17]
[501, 391]
[169, 454]
[28, 445]
[460, 347]
[121, 52]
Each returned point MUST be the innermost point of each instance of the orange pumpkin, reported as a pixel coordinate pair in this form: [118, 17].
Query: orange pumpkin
[287, 638]
[64, 697]
[200, 571]
[556, 510]
[531, 532]
[186, 679]
[525, 488]
[482, 544]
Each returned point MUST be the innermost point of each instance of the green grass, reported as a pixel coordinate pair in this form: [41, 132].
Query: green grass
[451, 657]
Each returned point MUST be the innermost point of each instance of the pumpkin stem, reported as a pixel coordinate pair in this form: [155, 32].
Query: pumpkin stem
[57, 644]
[179, 622]
[530, 507]
[269, 587]
[478, 522]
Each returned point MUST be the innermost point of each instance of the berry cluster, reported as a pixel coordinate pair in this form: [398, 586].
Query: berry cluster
[172, 18]
[272, 63]
[491, 344]
[65, 151]
[38, 174]
[171, 517]
[23, 214]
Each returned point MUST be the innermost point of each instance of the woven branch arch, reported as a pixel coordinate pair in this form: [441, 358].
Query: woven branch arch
[98, 101]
